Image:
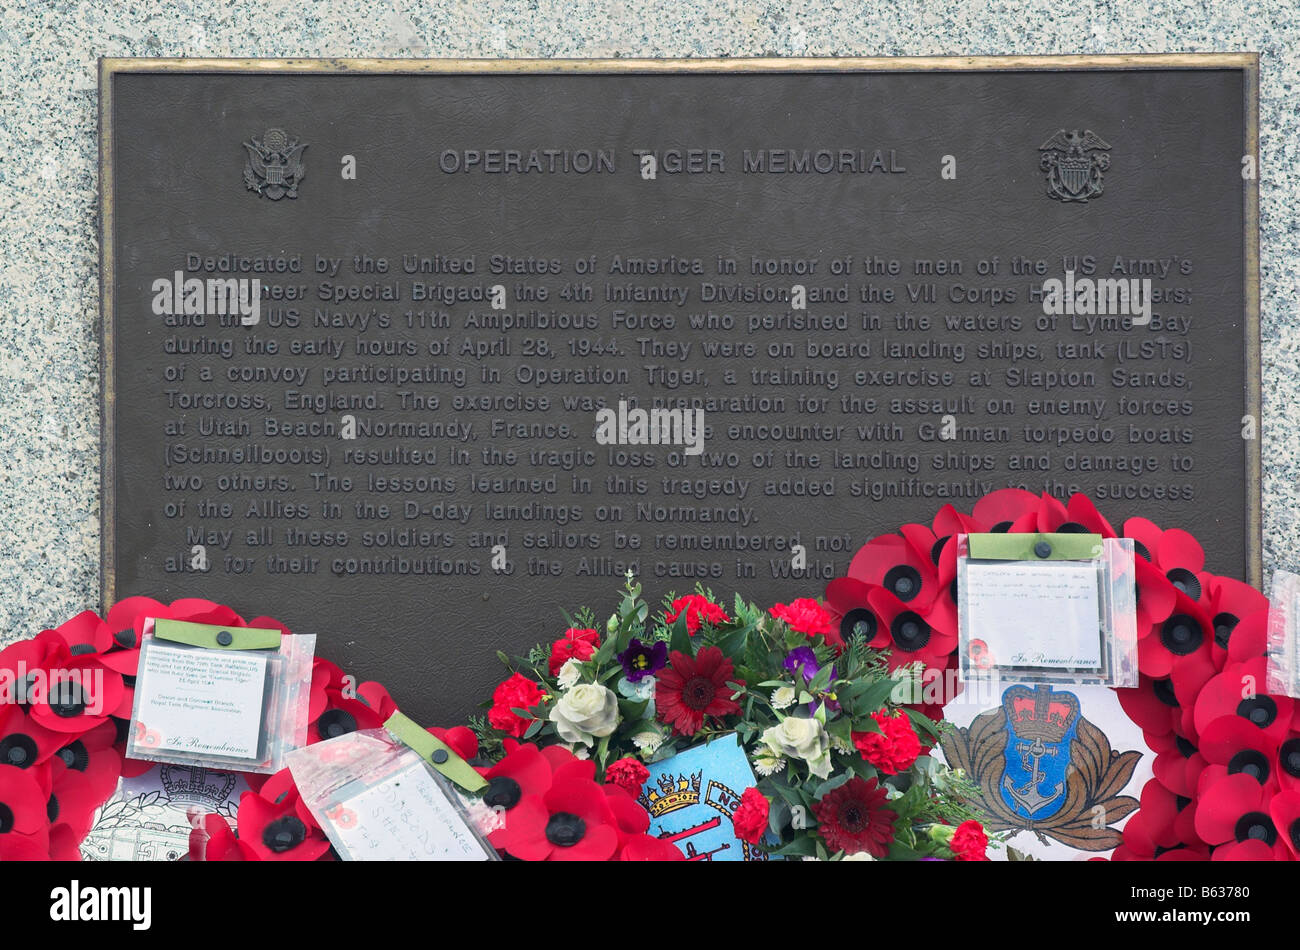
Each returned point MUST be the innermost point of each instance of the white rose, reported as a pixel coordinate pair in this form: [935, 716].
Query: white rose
[584, 712]
[570, 673]
[799, 738]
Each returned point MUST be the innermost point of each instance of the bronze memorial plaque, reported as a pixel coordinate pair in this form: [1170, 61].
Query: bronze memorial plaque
[415, 354]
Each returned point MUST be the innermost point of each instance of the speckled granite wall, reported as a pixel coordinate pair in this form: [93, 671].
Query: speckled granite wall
[49, 383]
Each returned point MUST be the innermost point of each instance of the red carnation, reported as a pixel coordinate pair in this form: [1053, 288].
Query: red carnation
[694, 687]
[628, 774]
[805, 615]
[854, 817]
[894, 748]
[517, 692]
[574, 645]
[969, 842]
[750, 818]
[698, 608]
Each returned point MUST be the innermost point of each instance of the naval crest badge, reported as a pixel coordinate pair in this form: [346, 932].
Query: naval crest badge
[1075, 163]
[274, 168]
[1043, 768]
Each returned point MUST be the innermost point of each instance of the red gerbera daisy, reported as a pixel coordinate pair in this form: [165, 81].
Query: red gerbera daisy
[691, 688]
[854, 818]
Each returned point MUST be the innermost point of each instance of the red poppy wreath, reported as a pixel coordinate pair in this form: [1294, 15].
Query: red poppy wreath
[1226, 782]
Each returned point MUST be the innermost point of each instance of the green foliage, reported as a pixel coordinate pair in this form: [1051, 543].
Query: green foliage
[817, 755]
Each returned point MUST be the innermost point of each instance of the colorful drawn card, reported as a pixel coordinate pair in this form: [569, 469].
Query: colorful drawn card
[692, 796]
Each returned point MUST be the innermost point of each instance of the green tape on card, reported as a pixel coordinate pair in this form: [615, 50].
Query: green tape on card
[411, 734]
[215, 637]
[1034, 547]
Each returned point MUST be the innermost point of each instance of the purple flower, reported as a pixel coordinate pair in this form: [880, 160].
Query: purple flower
[803, 661]
[643, 659]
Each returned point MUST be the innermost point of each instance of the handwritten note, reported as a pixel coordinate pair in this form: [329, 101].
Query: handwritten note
[203, 702]
[407, 817]
[1035, 615]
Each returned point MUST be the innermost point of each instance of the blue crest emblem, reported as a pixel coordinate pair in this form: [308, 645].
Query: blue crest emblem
[1041, 725]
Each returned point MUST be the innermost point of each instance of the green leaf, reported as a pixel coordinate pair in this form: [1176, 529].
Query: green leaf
[680, 640]
[633, 709]
[734, 643]
[832, 783]
[800, 847]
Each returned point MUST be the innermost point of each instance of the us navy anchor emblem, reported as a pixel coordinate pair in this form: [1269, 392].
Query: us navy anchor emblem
[1075, 163]
[274, 168]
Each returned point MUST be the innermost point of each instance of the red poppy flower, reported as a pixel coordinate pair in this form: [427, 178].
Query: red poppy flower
[1285, 811]
[340, 717]
[23, 741]
[522, 773]
[75, 794]
[1288, 765]
[750, 818]
[897, 566]
[1083, 512]
[1152, 704]
[24, 823]
[807, 616]
[1229, 602]
[854, 818]
[1177, 554]
[1184, 637]
[1001, 509]
[1234, 811]
[907, 633]
[699, 609]
[516, 692]
[575, 644]
[78, 694]
[1179, 768]
[572, 821]
[630, 818]
[851, 612]
[692, 688]
[375, 695]
[214, 840]
[1156, 597]
[649, 848]
[281, 791]
[1232, 745]
[277, 832]
[1236, 692]
[460, 739]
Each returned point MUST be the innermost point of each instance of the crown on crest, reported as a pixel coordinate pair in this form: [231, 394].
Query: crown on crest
[197, 785]
[672, 793]
[1040, 713]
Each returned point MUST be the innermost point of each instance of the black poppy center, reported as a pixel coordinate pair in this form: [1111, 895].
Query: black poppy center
[1224, 624]
[18, 750]
[1250, 762]
[81, 649]
[1002, 527]
[565, 830]
[1181, 635]
[67, 700]
[1164, 690]
[1289, 757]
[909, 631]
[52, 809]
[1072, 527]
[699, 692]
[1185, 581]
[125, 638]
[1141, 551]
[936, 551]
[1294, 832]
[6, 819]
[903, 581]
[284, 833]
[336, 722]
[503, 792]
[1185, 748]
[1181, 802]
[75, 756]
[858, 622]
[1256, 826]
[1260, 710]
